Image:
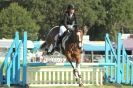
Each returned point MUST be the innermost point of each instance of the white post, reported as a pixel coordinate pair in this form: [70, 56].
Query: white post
[45, 77]
[62, 77]
[41, 76]
[67, 77]
[58, 77]
[54, 77]
[36, 78]
[49, 77]
[101, 77]
[97, 82]
[88, 74]
[84, 77]
[71, 77]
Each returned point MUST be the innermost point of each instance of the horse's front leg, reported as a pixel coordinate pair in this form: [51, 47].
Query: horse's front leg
[75, 71]
[78, 72]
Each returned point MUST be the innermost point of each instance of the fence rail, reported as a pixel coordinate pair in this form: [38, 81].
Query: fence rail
[63, 76]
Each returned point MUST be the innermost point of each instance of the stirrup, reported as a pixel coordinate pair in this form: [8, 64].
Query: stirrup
[56, 48]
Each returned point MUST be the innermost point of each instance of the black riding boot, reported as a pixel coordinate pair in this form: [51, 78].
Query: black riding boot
[59, 39]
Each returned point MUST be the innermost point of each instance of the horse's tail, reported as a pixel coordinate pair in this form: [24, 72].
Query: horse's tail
[48, 49]
[43, 45]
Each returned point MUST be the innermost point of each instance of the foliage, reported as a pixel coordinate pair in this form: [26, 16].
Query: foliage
[16, 18]
[100, 16]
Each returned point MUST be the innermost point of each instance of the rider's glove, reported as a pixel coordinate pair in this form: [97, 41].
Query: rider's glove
[70, 27]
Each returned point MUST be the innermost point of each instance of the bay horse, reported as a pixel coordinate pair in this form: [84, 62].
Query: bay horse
[71, 47]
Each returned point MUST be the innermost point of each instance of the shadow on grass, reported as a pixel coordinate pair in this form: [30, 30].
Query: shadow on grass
[116, 85]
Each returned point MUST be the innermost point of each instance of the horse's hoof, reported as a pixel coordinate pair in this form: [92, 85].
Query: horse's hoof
[81, 85]
[48, 53]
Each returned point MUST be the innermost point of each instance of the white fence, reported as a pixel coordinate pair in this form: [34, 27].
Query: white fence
[63, 76]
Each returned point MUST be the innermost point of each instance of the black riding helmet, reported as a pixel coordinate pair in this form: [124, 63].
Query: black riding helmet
[70, 6]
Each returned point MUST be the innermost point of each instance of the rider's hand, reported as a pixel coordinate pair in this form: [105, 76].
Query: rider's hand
[68, 30]
[70, 27]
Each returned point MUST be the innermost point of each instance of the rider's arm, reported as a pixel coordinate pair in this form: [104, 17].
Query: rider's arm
[75, 19]
[65, 21]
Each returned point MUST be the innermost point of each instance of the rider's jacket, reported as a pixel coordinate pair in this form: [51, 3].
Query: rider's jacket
[68, 21]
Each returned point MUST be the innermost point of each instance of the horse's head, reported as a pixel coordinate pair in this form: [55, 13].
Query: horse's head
[79, 32]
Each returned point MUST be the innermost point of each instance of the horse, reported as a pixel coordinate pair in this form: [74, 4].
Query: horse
[71, 47]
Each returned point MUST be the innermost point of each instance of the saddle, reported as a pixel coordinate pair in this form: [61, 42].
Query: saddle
[63, 39]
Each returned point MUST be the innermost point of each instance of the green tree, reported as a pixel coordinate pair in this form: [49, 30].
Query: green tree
[100, 16]
[119, 16]
[45, 12]
[16, 18]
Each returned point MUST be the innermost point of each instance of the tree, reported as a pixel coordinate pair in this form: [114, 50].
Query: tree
[46, 13]
[119, 15]
[16, 18]
[100, 16]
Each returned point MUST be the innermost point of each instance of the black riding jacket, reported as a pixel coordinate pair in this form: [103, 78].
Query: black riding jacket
[69, 21]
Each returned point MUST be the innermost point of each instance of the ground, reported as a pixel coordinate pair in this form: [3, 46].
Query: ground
[91, 86]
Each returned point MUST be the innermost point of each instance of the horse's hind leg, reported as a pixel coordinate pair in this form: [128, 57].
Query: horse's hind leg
[50, 49]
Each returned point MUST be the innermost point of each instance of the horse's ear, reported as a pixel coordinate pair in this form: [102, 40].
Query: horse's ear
[85, 28]
[82, 28]
[76, 26]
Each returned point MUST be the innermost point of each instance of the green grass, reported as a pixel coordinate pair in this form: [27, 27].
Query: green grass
[91, 86]
[110, 85]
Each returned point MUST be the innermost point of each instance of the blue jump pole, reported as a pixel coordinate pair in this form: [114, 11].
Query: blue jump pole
[14, 73]
[119, 46]
[10, 73]
[25, 59]
[131, 73]
[17, 61]
[106, 56]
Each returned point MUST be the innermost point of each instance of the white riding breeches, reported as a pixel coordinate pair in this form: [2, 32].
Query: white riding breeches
[63, 29]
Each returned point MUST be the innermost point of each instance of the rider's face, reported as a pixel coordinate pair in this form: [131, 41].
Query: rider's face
[72, 11]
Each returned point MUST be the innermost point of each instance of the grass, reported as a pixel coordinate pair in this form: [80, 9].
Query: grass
[113, 85]
[107, 85]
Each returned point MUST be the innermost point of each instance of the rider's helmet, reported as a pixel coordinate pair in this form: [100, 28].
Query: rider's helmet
[70, 6]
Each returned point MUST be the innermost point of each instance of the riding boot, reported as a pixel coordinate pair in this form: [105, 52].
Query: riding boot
[59, 39]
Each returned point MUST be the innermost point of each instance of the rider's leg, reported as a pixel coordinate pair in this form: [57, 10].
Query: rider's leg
[60, 36]
[62, 30]
[58, 42]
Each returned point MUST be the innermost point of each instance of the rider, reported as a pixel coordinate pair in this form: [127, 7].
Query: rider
[67, 24]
